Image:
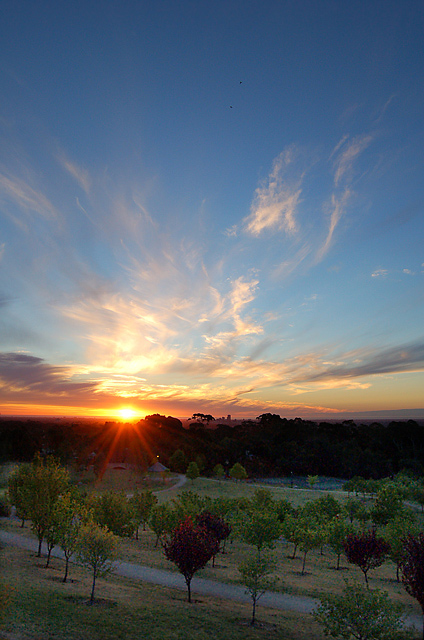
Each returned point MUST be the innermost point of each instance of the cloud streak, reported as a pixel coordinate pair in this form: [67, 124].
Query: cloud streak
[276, 201]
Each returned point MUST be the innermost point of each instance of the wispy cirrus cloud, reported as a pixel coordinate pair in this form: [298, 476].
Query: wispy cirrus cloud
[276, 200]
[349, 153]
[80, 175]
[19, 193]
[344, 156]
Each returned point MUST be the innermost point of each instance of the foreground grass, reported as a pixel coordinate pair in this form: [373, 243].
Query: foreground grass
[46, 609]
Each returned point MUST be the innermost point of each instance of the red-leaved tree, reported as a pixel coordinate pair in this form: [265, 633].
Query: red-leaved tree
[216, 526]
[412, 568]
[190, 547]
[366, 550]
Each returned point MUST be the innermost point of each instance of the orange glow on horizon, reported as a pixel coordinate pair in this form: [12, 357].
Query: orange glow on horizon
[127, 413]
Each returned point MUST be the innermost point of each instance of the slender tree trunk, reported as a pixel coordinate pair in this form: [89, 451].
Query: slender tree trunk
[338, 561]
[40, 542]
[92, 588]
[188, 583]
[65, 577]
[252, 622]
[294, 552]
[304, 562]
[49, 553]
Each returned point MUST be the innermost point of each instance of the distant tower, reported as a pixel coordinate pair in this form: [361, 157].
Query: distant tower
[229, 418]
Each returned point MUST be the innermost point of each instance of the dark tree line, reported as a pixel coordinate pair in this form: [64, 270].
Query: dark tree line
[268, 445]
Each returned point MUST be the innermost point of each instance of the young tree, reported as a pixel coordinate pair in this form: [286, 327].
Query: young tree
[68, 517]
[366, 550]
[192, 471]
[190, 547]
[362, 614]
[255, 572]
[218, 471]
[142, 505]
[190, 504]
[312, 481]
[238, 472]
[388, 504]
[260, 529]
[355, 509]
[162, 520]
[17, 487]
[292, 530]
[216, 526]
[337, 532]
[97, 549]
[313, 535]
[412, 569]
[44, 483]
[112, 510]
[395, 533]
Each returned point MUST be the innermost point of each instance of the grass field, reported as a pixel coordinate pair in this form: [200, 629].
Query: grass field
[46, 609]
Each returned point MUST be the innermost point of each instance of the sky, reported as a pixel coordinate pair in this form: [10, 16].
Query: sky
[211, 207]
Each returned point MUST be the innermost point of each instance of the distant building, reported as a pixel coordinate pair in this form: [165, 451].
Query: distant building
[158, 467]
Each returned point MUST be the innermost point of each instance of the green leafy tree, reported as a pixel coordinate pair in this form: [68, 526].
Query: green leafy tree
[355, 510]
[395, 533]
[218, 471]
[256, 576]
[192, 471]
[112, 510]
[97, 550]
[388, 504]
[190, 504]
[313, 535]
[142, 505]
[292, 531]
[44, 483]
[68, 516]
[163, 519]
[312, 481]
[190, 547]
[262, 499]
[362, 614]
[238, 472]
[18, 490]
[337, 532]
[260, 529]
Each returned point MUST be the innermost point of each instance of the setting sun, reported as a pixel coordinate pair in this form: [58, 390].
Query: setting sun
[126, 413]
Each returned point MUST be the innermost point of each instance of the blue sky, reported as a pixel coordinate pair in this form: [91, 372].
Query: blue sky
[211, 206]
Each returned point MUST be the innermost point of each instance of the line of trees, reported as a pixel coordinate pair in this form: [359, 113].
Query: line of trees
[268, 445]
[193, 530]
